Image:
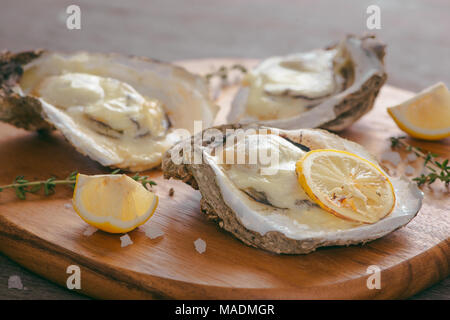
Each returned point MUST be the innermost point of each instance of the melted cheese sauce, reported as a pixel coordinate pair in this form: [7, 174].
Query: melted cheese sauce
[109, 106]
[282, 87]
[282, 193]
[134, 127]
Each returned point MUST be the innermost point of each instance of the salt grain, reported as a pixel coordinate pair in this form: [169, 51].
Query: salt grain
[425, 171]
[411, 157]
[68, 205]
[438, 188]
[154, 232]
[200, 245]
[14, 282]
[90, 230]
[409, 170]
[125, 241]
[392, 157]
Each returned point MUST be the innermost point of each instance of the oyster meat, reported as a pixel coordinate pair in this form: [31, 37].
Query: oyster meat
[261, 202]
[120, 111]
[329, 88]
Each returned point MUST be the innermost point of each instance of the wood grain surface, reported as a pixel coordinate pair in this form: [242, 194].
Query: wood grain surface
[415, 31]
[46, 236]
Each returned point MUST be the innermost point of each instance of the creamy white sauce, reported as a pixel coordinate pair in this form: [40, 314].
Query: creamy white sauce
[125, 125]
[104, 103]
[282, 87]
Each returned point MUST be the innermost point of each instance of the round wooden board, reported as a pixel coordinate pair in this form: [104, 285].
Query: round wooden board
[46, 236]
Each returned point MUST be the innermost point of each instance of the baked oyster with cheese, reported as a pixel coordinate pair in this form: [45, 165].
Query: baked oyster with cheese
[328, 88]
[264, 202]
[120, 111]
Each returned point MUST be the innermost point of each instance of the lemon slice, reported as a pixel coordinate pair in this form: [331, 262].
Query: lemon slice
[425, 116]
[346, 185]
[113, 203]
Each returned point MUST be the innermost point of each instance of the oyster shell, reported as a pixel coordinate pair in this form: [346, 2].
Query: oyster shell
[272, 211]
[328, 88]
[120, 111]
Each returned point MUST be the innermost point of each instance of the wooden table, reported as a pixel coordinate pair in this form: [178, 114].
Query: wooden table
[172, 30]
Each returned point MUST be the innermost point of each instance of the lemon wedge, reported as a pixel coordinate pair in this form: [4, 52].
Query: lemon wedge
[113, 203]
[425, 116]
[346, 185]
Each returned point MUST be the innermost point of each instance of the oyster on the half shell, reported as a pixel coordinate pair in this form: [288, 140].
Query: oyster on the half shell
[272, 211]
[120, 111]
[328, 88]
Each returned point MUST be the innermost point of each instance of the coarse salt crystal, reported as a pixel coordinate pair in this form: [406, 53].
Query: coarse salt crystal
[153, 232]
[14, 282]
[90, 230]
[392, 157]
[68, 205]
[425, 171]
[200, 245]
[438, 188]
[409, 170]
[411, 157]
[125, 241]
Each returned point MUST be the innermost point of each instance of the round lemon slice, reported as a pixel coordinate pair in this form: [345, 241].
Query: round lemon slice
[346, 185]
[113, 203]
[425, 116]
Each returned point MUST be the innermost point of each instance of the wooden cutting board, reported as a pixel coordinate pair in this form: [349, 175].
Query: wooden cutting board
[46, 236]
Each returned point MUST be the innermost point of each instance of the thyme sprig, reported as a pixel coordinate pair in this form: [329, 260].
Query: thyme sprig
[23, 186]
[439, 170]
[223, 72]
